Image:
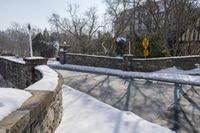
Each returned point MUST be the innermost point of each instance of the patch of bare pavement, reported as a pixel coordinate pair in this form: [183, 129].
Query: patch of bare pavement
[177, 108]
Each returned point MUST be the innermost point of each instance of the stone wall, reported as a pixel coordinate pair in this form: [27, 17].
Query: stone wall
[154, 64]
[42, 112]
[91, 60]
[129, 63]
[21, 74]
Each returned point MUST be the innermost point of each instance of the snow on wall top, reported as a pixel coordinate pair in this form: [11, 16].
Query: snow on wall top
[11, 99]
[49, 80]
[14, 59]
[34, 58]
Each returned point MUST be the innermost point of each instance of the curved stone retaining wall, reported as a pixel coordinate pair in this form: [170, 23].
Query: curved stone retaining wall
[21, 73]
[42, 112]
[129, 63]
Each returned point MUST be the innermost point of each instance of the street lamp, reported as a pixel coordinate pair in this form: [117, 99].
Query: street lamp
[30, 39]
[129, 47]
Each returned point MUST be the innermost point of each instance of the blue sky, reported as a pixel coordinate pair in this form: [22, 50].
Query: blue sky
[37, 12]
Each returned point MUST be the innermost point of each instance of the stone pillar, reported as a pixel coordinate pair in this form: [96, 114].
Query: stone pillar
[32, 75]
[127, 58]
[62, 57]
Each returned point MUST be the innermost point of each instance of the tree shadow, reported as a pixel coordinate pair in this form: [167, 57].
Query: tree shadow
[181, 121]
[148, 104]
[100, 83]
[158, 102]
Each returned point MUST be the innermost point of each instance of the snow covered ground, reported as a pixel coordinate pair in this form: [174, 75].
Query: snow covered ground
[172, 70]
[11, 99]
[84, 114]
[168, 75]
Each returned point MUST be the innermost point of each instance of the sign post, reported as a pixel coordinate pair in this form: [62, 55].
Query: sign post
[145, 44]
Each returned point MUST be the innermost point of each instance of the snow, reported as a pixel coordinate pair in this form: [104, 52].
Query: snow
[53, 61]
[168, 75]
[174, 70]
[121, 39]
[19, 60]
[49, 80]
[11, 99]
[84, 114]
[34, 57]
[14, 59]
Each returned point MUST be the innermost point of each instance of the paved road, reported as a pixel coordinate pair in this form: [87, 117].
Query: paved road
[151, 100]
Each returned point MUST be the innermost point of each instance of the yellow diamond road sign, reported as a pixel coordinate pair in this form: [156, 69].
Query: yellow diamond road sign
[145, 43]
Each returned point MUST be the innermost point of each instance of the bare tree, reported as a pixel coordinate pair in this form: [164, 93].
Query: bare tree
[14, 40]
[172, 18]
[121, 14]
[161, 14]
[184, 9]
[82, 27]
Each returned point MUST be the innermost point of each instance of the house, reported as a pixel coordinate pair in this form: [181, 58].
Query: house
[192, 33]
[138, 20]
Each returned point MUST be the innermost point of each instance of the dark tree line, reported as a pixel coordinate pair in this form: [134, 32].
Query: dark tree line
[44, 45]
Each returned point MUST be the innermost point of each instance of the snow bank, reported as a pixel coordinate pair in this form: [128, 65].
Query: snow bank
[84, 114]
[11, 99]
[164, 75]
[174, 70]
[49, 79]
[53, 61]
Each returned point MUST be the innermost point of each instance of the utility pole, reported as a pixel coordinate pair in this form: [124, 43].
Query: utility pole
[30, 40]
[134, 14]
[132, 36]
[129, 46]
